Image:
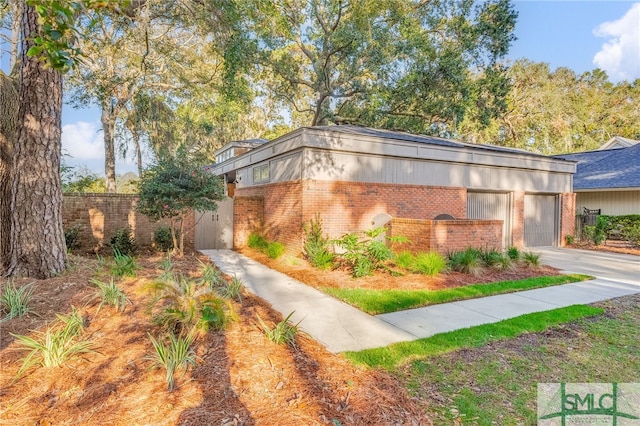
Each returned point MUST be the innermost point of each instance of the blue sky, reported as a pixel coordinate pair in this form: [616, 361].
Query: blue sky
[581, 35]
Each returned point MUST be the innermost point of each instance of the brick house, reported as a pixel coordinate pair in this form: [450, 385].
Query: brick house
[357, 178]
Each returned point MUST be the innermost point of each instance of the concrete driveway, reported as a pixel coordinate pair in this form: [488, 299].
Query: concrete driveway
[623, 268]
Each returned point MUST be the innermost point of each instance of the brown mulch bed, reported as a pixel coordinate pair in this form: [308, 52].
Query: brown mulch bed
[240, 379]
[611, 246]
[302, 271]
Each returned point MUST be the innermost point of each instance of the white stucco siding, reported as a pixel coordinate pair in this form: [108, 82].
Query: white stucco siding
[341, 166]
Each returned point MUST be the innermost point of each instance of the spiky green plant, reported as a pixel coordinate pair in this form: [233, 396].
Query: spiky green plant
[210, 275]
[183, 303]
[530, 260]
[56, 345]
[14, 301]
[177, 355]
[167, 267]
[110, 294]
[468, 261]
[125, 265]
[283, 332]
[492, 258]
[231, 289]
[513, 253]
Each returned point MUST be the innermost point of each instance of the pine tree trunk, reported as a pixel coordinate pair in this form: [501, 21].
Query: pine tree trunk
[108, 127]
[8, 124]
[37, 238]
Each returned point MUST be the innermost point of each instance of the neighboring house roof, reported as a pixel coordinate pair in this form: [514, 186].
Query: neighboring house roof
[606, 169]
[618, 142]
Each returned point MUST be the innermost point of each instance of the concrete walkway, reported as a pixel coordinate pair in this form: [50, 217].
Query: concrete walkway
[341, 327]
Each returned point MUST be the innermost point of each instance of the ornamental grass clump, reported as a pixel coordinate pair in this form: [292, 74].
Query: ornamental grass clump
[176, 355]
[14, 301]
[56, 345]
[468, 261]
[430, 263]
[283, 332]
[110, 294]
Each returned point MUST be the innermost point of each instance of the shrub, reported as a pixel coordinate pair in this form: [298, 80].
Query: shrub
[468, 261]
[597, 234]
[71, 237]
[182, 304]
[178, 354]
[271, 249]
[632, 234]
[110, 294]
[14, 301]
[430, 263]
[274, 250]
[258, 242]
[162, 238]
[405, 260]
[123, 241]
[56, 345]
[283, 332]
[316, 245]
[569, 239]
[210, 275]
[363, 252]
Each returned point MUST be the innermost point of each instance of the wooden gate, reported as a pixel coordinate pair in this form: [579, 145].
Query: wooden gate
[214, 230]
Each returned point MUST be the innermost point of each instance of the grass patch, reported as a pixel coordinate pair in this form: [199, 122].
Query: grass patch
[497, 383]
[394, 355]
[383, 301]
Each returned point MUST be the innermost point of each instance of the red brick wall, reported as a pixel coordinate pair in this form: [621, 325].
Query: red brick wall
[517, 233]
[444, 236]
[100, 215]
[248, 217]
[352, 206]
[567, 216]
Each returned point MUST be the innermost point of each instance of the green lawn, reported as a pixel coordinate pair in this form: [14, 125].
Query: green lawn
[488, 375]
[377, 302]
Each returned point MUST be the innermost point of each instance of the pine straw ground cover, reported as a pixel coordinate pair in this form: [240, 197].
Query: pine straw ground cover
[241, 378]
[301, 270]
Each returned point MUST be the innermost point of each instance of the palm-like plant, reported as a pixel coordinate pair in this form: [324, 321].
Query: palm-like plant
[182, 303]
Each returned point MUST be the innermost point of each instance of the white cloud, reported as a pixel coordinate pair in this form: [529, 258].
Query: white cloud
[83, 141]
[620, 55]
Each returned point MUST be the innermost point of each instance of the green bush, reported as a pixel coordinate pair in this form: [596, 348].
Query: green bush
[632, 234]
[71, 237]
[316, 245]
[430, 263]
[271, 249]
[123, 241]
[162, 238]
[492, 258]
[597, 233]
[405, 260]
[531, 260]
[124, 265]
[363, 253]
[282, 333]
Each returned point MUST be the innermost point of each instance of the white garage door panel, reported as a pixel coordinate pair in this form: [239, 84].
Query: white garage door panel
[491, 206]
[540, 220]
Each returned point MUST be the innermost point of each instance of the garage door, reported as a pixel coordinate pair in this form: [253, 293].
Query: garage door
[491, 206]
[540, 220]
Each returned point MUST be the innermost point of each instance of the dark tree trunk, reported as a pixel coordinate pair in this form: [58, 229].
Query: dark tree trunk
[8, 124]
[108, 127]
[37, 238]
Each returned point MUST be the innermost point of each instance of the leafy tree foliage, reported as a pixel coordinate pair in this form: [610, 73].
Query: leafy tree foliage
[558, 111]
[175, 187]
